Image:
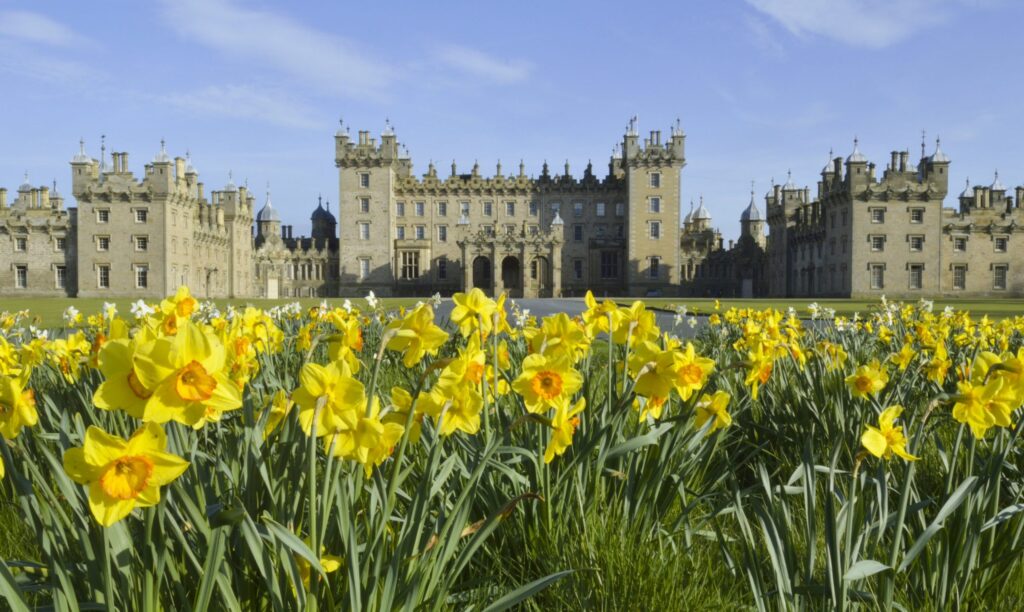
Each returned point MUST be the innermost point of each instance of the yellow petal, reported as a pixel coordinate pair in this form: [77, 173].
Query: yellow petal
[100, 448]
[106, 509]
[77, 468]
[874, 441]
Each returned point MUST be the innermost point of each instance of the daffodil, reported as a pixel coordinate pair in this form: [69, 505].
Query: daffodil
[330, 394]
[904, 357]
[563, 425]
[887, 439]
[123, 474]
[473, 311]
[634, 325]
[691, 371]
[278, 408]
[369, 442]
[867, 380]
[416, 335]
[546, 382]
[759, 370]
[985, 406]
[559, 335]
[17, 406]
[121, 387]
[329, 563]
[715, 406]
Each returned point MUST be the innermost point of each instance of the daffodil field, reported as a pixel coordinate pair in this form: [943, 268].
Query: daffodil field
[181, 458]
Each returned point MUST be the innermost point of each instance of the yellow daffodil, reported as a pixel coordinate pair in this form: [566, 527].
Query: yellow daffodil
[329, 563]
[278, 408]
[904, 357]
[122, 475]
[546, 382]
[369, 443]
[416, 335]
[867, 380]
[559, 335]
[715, 406]
[887, 439]
[759, 370]
[122, 388]
[691, 371]
[473, 311]
[985, 406]
[563, 425]
[635, 324]
[340, 397]
[17, 406]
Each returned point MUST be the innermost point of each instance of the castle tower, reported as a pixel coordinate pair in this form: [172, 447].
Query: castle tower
[752, 223]
[268, 222]
[325, 226]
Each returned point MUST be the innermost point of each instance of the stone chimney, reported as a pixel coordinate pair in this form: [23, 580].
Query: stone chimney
[3, 196]
[44, 197]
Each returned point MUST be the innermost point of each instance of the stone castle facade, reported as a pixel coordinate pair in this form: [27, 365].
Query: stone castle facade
[551, 235]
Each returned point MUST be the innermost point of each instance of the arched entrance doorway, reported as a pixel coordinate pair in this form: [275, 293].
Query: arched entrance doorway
[482, 273]
[540, 276]
[511, 276]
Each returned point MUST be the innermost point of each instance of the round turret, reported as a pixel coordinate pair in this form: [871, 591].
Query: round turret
[856, 156]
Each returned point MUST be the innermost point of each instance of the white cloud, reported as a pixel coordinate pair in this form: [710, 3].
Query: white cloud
[482, 65]
[323, 61]
[38, 28]
[862, 23]
[249, 102]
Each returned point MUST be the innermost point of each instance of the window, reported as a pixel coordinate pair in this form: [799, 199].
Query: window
[654, 205]
[999, 277]
[620, 231]
[465, 208]
[399, 209]
[420, 208]
[1000, 244]
[141, 277]
[655, 268]
[556, 207]
[959, 243]
[442, 233]
[488, 230]
[620, 209]
[577, 209]
[21, 277]
[959, 277]
[364, 205]
[103, 243]
[141, 243]
[103, 277]
[442, 209]
[102, 215]
[602, 229]
[421, 232]
[577, 269]
[510, 209]
[60, 277]
[577, 233]
[442, 268]
[843, 214]
[655, 180]
[364, 179]
[917, 244]
[877, 276]
[534, 230]
[655, 230]
[609, 264]
[600, 209]
[364, 231]
[510, 229]
[410, 265]
[364, 269]
[877, 243]
[916, 276]
[533, 209]
[141, 215]
[61, 244]
[917, 215]
[488, 209]
[400, 232]
[533, 269]
[20, 243]
[877, 215]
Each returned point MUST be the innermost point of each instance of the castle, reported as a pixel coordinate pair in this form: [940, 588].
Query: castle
[550, 235]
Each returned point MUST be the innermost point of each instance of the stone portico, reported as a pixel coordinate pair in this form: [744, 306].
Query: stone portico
[520, 264]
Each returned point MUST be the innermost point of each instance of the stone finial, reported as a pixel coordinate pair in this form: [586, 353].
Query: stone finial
[522, 168]
[498, 173]
[454, 171]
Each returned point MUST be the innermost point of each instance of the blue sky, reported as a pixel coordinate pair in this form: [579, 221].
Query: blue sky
[761, 86]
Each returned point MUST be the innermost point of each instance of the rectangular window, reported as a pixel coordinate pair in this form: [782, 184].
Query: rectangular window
[421, 232]
[421, 208]
[534, 230]
[654, 205]
[917, 215]
[916, 276]
[488, 209]
[877, 243]
[21, 277]
[364, 231]
[103, 277]
[600, 209]
[20, 244]
[655, 269]
[364, 205]
[442, 209]
[533, 209]
[141, 215]
[62, 244]
[999, 277]
[620, 209]
[364, 269]
[655, 180]
[601, 230]
[141, 277]
[60, 274]
[959, 243]
[442, 233]
[877, 276]
[577, 233]
[620, 231]
[510, 229]
[399, 209]
[510, 209]
[410, 265]
[442, 268]
[655, 230]
[488, 230]
[577, 209]
[1000, 244]
[609, 264]
[103, 215]
[465, 209]
[103, 243]
[400, 232]
[960, 277]
[917, 244]
[141, 243]
[364, 179]
[577, 269]
[877, 215]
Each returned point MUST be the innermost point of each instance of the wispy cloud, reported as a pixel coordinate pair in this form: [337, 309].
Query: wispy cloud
[38, 28]
[322, 61]
[479, 64]
[762, 35]
[862, 23]
[249, 102]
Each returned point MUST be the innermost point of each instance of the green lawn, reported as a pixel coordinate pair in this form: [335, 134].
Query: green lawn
[998, 308]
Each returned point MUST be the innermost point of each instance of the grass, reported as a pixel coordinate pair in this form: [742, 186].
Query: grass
[996, 308]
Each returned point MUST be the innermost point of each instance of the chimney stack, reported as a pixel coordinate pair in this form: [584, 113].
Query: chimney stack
[3, 196]
[893, 165]
[903, 161]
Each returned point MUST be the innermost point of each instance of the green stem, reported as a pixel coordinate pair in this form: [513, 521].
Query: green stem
[108, 578]
[314, 536]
